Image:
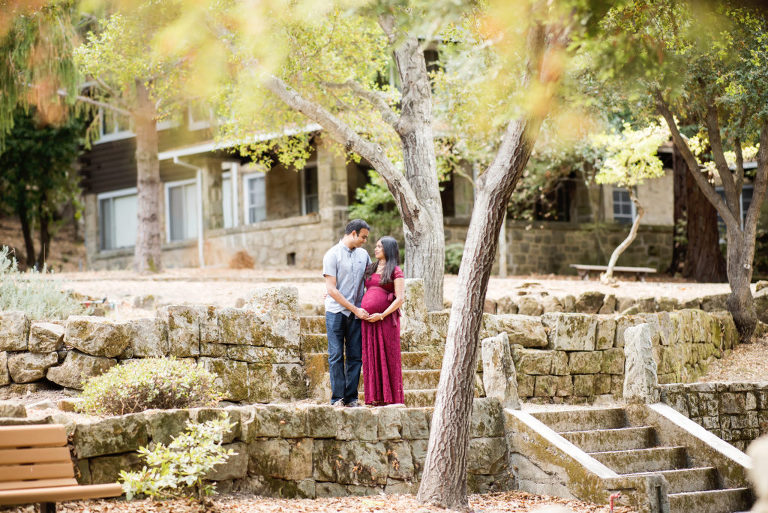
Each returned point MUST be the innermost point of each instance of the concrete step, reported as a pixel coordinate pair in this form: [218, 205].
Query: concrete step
[420, 379]
[312, 323]
[710, 501]
[643, 460]
[413, 398]
[583, 420]
[688, 479]
[314, 343]
[602, 440]
[415, 360]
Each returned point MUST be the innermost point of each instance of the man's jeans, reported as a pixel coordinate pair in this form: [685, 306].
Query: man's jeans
[344, 334]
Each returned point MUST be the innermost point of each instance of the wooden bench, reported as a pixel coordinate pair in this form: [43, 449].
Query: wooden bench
[35, 467]
[639, 272]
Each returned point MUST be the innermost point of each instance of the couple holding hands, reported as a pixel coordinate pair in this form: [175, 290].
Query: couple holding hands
[362, 318]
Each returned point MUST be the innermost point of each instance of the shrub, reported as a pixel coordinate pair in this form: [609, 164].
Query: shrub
[162, 383]
[34, 293]
[181, 467]
[453, 254]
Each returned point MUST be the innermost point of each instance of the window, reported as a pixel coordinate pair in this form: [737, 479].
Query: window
[623, 208]
[309, 196]
[200, 115]
[118, 212]
[181, 210]
[113, 126]
[746, 200]
[255, 198]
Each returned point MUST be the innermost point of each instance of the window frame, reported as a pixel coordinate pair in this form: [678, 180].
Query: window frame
[119, 193]
[247, 196]
[198, 124]
[167, 187]
[304, 196]
[633, 208]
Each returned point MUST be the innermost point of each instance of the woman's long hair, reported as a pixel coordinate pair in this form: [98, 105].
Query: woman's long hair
[392, 256]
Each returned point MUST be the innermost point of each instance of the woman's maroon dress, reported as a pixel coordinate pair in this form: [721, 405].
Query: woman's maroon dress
[382, 373]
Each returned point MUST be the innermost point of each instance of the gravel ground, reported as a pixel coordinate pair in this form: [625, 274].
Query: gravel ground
[518, 502]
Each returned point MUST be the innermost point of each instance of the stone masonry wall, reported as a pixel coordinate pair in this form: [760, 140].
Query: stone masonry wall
[254, 351]
[303, 450]
[550, 247]
[735, 412]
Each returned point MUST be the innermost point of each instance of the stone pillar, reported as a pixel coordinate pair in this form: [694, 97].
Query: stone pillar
[641, 383]
[91, 214]
[332, 189]
[499, 374]
[758, 474]
[213, 205]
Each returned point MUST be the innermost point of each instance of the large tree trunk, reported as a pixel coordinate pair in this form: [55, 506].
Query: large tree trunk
[607, 276]
[45, 237]
[424, 236]
[26, 231]
[148, 251]
[740, 303]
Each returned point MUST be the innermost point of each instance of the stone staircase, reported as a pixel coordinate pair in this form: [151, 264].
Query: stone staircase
[419, 379]
[632, 449]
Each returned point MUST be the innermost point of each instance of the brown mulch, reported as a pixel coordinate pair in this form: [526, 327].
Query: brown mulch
[747, 362]
[518, 502]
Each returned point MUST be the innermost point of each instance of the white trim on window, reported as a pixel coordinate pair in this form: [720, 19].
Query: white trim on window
[165, 124]
[119, 192]
[247, 177]
[633, 208]
[198, 124]
[112, 195]
[168, 186]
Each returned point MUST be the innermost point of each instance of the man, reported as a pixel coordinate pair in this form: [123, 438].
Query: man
[343, 269]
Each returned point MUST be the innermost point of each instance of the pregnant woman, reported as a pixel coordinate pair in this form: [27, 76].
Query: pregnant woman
[384, 284]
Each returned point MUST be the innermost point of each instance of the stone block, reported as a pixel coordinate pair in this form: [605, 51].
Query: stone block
[613, 361]
[29, 367]
[210, 331]
[732, 403]
[163, 425]
[278, 308]
[525, 385]
[259, 383]
[640, 377]
[714, 302]
[288, 382]
[263, 355]
[106, 469]
[390, 422]
[183, 330]
[487, 455]
[585, 362]
[45, 337]
[235, 466]
[584, 386]
[487, 419]
[534, 362]
[399, 460]
[14, 331]
[113, 435]
[357, 424]
[79, 368]
[419, 454]
[416, 423]
[546, 386]
[97, 336]
[213, 350]
[231, 377]
[574, 332]
[499, 375]
[560, 363]
[602, 384]
[523, 330]
[280, 458]
[264, 422]
[13, 409]
[606, 333]
[322, 420]
[5, 376]
[506, 305]
[529, 305]
[622, 323]
[609, 305]
[350, 462]
[589, 302]
[149, 337]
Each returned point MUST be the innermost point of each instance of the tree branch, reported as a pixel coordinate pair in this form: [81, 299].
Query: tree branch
[693, 166]
[760, 185]
[375, 98]
[343, 134]
[718, 155]
[97, 103]
[739, 164]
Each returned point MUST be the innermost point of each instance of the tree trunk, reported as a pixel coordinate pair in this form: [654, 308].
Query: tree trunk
[739, 302]
[607, 276]
[704, 262]
[424, 235]
[148, 251]
[680, 194]
[26, 231]
[45, 238]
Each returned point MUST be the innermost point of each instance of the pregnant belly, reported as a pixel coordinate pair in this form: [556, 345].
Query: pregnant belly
[375, 300]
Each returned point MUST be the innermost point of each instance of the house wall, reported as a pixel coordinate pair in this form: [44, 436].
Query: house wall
[283, 188]
[657, 196]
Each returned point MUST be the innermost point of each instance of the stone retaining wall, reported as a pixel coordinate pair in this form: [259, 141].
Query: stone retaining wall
[303, 450]
[254, 351]
[579, 358]
[735, 412]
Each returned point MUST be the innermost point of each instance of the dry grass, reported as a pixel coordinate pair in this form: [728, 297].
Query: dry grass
[747, 362]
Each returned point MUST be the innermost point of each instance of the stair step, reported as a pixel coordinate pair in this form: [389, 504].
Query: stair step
[413, 398]
[411, 361]
[643, 460]
[414, 359]
[420, 379]
[688, 479]
[583, 420]
[711, 501]
[602, 440]
[312, 323]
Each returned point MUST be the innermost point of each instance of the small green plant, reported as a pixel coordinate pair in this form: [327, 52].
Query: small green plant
[160, 383]
[180, 468]
[35, 293]
[453, 254]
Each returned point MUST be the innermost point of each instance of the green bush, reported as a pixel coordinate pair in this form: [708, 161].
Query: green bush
[151, 383]
[453, 254]
[34, 293]
[180, 468]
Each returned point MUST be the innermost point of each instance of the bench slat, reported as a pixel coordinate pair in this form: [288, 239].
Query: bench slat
[39, 471]
[618, 268]
[37, 483]
[32, 436]
[36, 455]
[61, 493]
